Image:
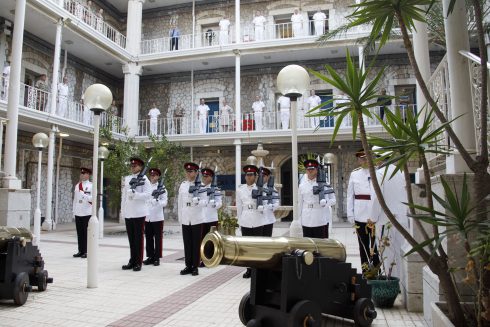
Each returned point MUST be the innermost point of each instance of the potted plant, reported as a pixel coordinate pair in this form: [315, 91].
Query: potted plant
[227, 224]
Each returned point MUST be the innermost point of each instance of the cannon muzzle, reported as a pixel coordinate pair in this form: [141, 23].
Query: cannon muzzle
[262, 252]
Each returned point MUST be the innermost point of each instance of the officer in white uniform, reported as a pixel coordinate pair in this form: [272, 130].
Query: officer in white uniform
[258, 108]
[319, 19]
[313, 101]
[250, 218]
[211, 210]
[259, 22]
[314, 212]
[154, 113]
[359, 204]
[270, 206]
[82, 210]
[202, 116]
[285, 109]
[224, 24]
[63, 97]
[154, 221]
[191, 216]
[134, 211]
[297, 21]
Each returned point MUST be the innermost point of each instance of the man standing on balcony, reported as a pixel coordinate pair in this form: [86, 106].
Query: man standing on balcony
[259, 24]
[313, 101]
[224, 24]
[42, 92]
[319, 19]
[225, 116]
[258, 108]
[383, 101]
[174, 35]
[202, 116]
[285, 109]
[154, 113]
[82, 210]
[297, 21]
[6, 78]
[63, 97]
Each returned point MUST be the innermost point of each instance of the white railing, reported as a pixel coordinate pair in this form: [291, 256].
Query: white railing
[269, 120]
[96, 21]
[34, 98]
[288, 30]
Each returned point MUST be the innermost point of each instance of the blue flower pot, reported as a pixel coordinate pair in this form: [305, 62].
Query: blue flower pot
[384, 291]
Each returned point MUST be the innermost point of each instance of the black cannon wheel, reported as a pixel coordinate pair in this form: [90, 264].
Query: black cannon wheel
[21, 288]
[305, 314]
[245, 309]
[42, 280]
[364, 312]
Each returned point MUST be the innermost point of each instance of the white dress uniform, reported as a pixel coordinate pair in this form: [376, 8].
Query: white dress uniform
[154, 227]
[202, 110]
[248, 215]
[62, 99]
[6, 78]
[319, 19]
[155, 208]
[190, 212]
[259, 22]
[285, 104]
[211, 210]
[297, 21]
[82, 210]
[359, 193]
[270, 208]
[258, 109]
[313, 101]
[223, 31]
[312, 212]
[154, 113]
[134, 204]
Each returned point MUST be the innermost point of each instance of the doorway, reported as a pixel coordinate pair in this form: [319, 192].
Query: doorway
[213, 115]
[326, 121]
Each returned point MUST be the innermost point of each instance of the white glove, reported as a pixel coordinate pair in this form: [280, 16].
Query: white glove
[195, 200]
[153, 202]
[130, 195]
[260, 208]
[323, 202]
[212, 203]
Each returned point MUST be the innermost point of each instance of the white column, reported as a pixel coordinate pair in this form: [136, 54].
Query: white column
[57, 184]
[37, 212]
[295, 229]
[421, 50]
[238, 163]
[48, 221]
[459, 78]
[193, 26]
[133, 34]
[10, 159]
[56, 66]
[238, 38]
[2, 121]
[101, 208]
[193, 100]
[238, 110]
[132, 73]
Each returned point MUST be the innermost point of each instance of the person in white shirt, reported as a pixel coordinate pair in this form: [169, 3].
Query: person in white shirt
[63, 97]
[6, 78]
[313, 101]
[154, 220]
[154, 113]
[225, 116]
[319, 19]
[314, 211]
[258, 109]
[86, 113]
[224, 24]
[202, 116]
[259, 25]
[134, 211]
[359, 204]
[214, 201]
[297, 21]
[191, 212]
[270, 205]
[285, 110]
[82, 210]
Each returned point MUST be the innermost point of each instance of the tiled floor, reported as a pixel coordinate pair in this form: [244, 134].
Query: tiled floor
[155, 296]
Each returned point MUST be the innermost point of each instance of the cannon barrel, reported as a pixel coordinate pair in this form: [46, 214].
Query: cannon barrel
[262, 252]
[7, 233]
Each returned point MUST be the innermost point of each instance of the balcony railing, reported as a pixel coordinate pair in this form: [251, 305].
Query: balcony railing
[270, 121]
[95, 21]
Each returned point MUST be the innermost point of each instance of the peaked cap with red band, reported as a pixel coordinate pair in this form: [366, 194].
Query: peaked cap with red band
[360, 153]
[155, 171]
[310, 164]
[266, 171]
[250, 169]
[207, 172]
[136, 161]
[191, 166]
[84, 170]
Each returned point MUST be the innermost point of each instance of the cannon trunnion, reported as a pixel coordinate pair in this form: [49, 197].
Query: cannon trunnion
[294, 281]
[21, 265]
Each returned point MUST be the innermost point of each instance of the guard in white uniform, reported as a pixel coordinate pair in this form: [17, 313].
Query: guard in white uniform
[258, 108]
[202, 116]
[285, 109]
[250, 218]
[270, 206]
[259, 22]
[224, 24]
[191, 215]
[297, 21]
[134, 211]
[82, 210]
[313, 101]
[314, 211]
[63, 97]
[154, 113]
[154, 220]
[319, 19]
[359, 204]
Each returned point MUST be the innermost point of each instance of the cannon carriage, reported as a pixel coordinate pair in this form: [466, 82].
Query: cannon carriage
[294, 280]
[21, 265]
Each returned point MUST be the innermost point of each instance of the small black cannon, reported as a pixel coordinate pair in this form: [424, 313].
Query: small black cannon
[294, 280]
[21, 265]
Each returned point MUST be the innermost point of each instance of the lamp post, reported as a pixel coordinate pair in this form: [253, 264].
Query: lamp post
[40, 141]
[98, 98]
[56, 196]
[103, 154]
[292, 82]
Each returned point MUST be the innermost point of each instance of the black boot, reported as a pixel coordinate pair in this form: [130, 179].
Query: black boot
[186, 271]
[77, 255]
[128, 266]
[195, 271]
[148, 261]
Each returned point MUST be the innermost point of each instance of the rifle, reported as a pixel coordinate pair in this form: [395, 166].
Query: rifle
[140, 179]
[195, 189]
[323, 188]
[160, 187]
[214, 184]
[258, 194]
[269, 190]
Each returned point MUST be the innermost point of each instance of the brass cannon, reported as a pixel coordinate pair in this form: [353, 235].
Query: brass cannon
[294, 280]
[21, 265]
